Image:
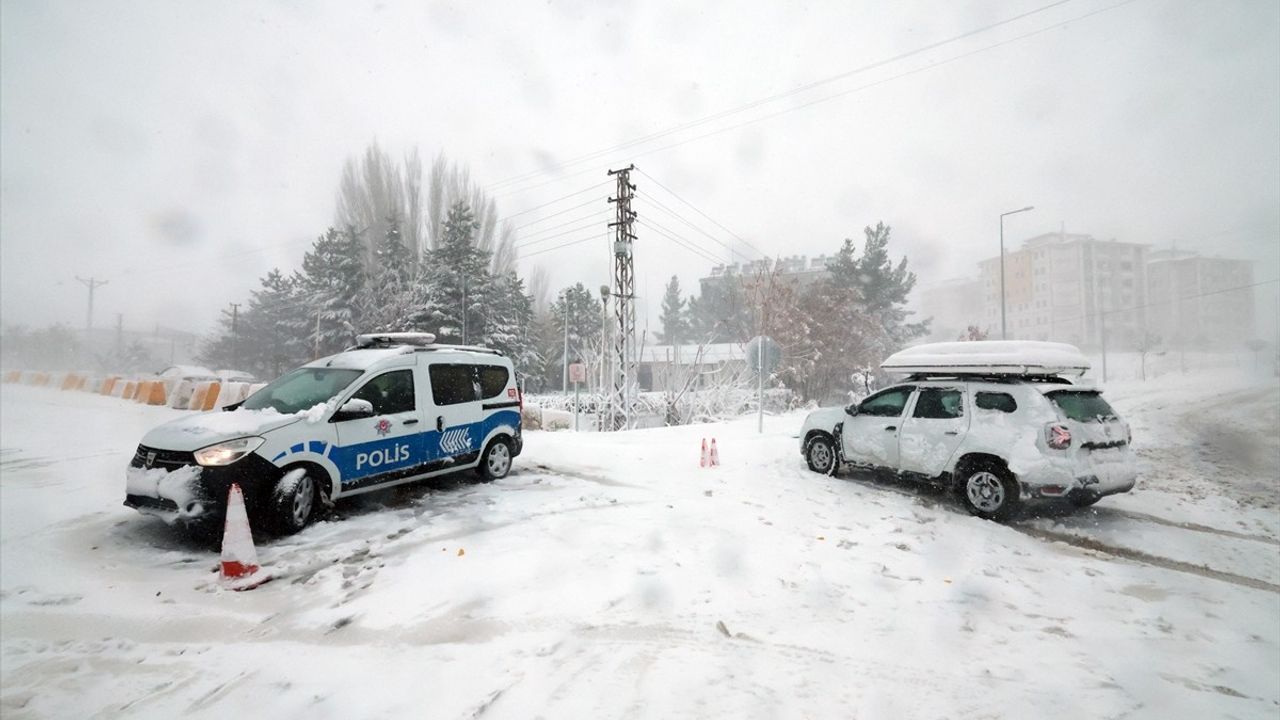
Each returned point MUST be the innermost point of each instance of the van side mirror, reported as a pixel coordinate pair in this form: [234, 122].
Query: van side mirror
[852, 410]
[353, 409]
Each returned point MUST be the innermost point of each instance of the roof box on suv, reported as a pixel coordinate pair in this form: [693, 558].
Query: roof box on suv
[1019, 358]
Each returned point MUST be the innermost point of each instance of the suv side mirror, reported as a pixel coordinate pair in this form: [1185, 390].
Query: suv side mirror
[852, 409]
[353, 409]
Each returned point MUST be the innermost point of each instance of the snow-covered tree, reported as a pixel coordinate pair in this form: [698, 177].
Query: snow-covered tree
[579, 308]
[461, 287]
[390, 302]
[675, 322]
[333, 280]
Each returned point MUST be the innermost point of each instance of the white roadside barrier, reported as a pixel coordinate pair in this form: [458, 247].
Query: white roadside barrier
[180, 398]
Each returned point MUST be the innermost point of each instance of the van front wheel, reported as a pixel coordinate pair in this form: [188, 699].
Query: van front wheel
[495, 463]
[293, 501]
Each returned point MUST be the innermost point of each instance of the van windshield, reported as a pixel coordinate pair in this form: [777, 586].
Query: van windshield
[301, 389]
[1082, 406]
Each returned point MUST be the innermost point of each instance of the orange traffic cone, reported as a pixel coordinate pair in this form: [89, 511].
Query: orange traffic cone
[702, 462]
[715, 454]
[240, 570]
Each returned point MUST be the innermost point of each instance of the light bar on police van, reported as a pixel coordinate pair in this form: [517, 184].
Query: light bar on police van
[395, 338]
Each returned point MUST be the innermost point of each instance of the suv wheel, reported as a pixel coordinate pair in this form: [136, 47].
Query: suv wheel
[990, 491]
[820, 453]
[293, 501]
[495, 463]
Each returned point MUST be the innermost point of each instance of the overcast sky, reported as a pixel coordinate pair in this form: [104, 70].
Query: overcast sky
[181, 150]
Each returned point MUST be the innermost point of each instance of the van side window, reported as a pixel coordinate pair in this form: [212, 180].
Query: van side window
[452, 384]
[389, 393]
[493, 380]
[938, 403]
[1002, 402]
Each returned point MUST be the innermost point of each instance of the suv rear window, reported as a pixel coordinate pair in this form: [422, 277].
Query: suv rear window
[1082, 405]
[1003, 402]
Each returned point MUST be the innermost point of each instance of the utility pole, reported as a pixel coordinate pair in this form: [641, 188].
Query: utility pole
[90, 283]
[624, 294]
[564, 379]
[235, 337]
[119, 336]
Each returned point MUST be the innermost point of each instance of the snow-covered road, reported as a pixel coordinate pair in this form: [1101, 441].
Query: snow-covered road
[610, 576]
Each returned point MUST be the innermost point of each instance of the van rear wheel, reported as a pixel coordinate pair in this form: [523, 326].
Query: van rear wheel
[495, 462]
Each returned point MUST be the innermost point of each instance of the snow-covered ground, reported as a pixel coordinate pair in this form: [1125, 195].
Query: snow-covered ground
[610, 576]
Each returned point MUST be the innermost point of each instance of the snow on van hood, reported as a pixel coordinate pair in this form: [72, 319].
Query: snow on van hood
[197, 431]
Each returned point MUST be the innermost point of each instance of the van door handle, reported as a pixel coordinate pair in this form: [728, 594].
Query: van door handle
[951, 432]
[411, 422]
[439, 423]
[890, 427]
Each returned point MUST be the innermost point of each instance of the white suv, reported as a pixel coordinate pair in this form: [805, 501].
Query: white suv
[394, 409]
[999, 433]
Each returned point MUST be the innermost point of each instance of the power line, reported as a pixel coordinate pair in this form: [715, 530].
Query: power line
[860, 88]
[703, 214]
[775, 97]
[592, 201]
[553, 202]
[564, 245]
[684, 220]
[594, 215]
[681, 240]
[559, 234]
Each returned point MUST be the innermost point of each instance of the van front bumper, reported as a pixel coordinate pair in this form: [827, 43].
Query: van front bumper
[175, 488]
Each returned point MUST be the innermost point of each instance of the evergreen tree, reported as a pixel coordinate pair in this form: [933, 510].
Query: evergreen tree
[509, 323]
[722, 313]
[675, 322]
[883, 286]
[580, 309]
[389, 304]
[333, 281]
[457, 284]
[275, 327]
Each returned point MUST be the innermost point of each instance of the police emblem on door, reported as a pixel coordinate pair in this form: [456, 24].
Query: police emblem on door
[383, 427]
[454, 442]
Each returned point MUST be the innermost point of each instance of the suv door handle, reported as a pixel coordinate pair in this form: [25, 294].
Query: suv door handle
[411, 422]
[439, 423]
[890, 427]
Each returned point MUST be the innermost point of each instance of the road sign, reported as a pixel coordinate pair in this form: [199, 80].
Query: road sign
[577, 372]
[763, 350]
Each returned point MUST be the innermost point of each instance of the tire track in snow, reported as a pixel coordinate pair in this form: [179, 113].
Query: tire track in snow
[1088, 543]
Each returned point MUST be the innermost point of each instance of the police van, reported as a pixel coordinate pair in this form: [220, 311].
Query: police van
[395, 408]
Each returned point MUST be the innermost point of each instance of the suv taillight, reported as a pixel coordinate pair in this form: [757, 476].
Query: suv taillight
[1057, 437]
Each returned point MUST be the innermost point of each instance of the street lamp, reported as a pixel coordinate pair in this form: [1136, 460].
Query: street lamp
[1003, 335]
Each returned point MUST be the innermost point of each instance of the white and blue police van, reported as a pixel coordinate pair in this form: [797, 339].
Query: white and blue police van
[395, 408]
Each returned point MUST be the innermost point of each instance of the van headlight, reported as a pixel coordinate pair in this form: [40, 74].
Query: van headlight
[227, 452]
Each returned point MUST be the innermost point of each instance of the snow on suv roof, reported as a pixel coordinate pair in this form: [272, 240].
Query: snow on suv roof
[989, 357]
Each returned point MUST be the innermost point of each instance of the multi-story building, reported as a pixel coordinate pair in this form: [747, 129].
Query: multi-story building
[1068, 288]
[1200, 301]
[797, 269]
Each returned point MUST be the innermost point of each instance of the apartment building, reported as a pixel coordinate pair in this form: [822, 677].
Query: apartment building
[1200, 301]
[1069, 288]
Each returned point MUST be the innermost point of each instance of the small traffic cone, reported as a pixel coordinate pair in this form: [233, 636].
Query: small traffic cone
[715, 454]
[240, 570]
[702, 462]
